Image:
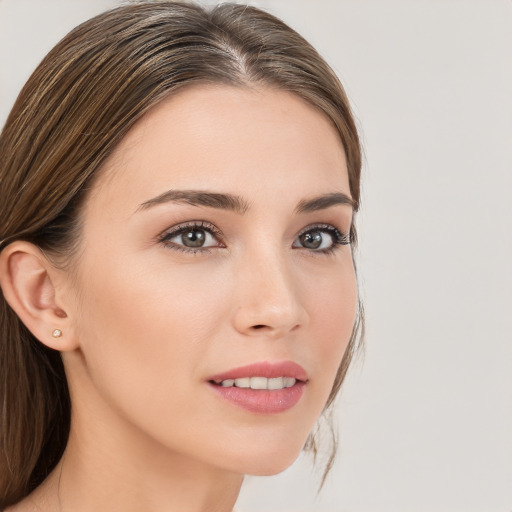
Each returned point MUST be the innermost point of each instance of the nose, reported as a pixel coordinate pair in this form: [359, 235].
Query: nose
[268, 299]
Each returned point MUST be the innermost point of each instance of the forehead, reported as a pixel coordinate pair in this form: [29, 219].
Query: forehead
[243, 141]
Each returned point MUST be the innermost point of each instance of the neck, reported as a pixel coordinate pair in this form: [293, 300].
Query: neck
[114, 481]
[111, 465]
[111, 479]
[164, 486]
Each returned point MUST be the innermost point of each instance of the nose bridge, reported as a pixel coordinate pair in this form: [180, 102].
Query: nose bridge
[268, 300]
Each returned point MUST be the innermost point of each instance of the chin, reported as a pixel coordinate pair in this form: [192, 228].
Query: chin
[272, 467]
[269, 459]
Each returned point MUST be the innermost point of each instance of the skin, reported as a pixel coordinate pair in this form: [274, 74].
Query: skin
[145, 323]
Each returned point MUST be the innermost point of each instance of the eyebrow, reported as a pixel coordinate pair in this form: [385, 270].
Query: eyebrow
[240, 205]
[325, 201]
[200, 198]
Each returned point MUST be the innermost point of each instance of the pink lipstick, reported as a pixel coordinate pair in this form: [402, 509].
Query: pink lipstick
[264, 388]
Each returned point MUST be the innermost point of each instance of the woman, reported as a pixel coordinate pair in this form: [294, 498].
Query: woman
[178, 189]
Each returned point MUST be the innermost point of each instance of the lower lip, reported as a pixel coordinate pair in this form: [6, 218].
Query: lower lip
[262, 401]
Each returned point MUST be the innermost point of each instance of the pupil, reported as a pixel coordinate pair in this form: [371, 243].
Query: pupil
[311, 240]
[193, 238]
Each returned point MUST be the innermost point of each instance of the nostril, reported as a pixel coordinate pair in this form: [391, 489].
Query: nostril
[261, 326]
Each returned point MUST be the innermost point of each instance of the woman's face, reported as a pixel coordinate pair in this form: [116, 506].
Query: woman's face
[214, 248]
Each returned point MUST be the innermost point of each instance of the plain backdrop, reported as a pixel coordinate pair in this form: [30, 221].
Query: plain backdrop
[425, 420]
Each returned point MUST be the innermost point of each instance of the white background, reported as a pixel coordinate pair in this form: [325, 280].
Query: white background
[425, 420]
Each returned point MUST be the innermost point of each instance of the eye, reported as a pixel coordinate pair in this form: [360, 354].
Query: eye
[192, 237]
[324, 238]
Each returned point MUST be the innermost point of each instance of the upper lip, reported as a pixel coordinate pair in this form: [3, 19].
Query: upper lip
[264, 369]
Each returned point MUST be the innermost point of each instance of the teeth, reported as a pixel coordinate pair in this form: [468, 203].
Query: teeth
[277, 383]
[259, 382]
[288, 382]
[244, 382]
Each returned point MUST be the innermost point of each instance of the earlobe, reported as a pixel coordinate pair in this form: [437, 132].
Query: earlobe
[28, 280]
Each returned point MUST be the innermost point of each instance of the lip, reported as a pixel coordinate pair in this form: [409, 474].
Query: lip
[262, 401]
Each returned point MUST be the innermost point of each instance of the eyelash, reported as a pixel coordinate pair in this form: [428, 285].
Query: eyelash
[189, 226]
[338, 237]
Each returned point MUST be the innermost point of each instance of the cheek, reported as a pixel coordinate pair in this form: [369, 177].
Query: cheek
[332, 309]
[149, 332]
[145, 333]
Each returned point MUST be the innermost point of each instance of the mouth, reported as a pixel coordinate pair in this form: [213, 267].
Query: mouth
[263, 388]
[258, 383]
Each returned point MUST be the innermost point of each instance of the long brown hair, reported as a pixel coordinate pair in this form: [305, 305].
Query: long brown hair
[78, 104]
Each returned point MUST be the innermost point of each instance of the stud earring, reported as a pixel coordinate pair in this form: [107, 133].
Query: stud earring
[57, 333]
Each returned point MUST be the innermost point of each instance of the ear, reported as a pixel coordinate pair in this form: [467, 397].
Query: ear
[30, 284]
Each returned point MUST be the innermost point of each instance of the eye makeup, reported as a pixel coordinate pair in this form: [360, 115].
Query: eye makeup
[311, 238]
[202, 237]
[193, 235]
